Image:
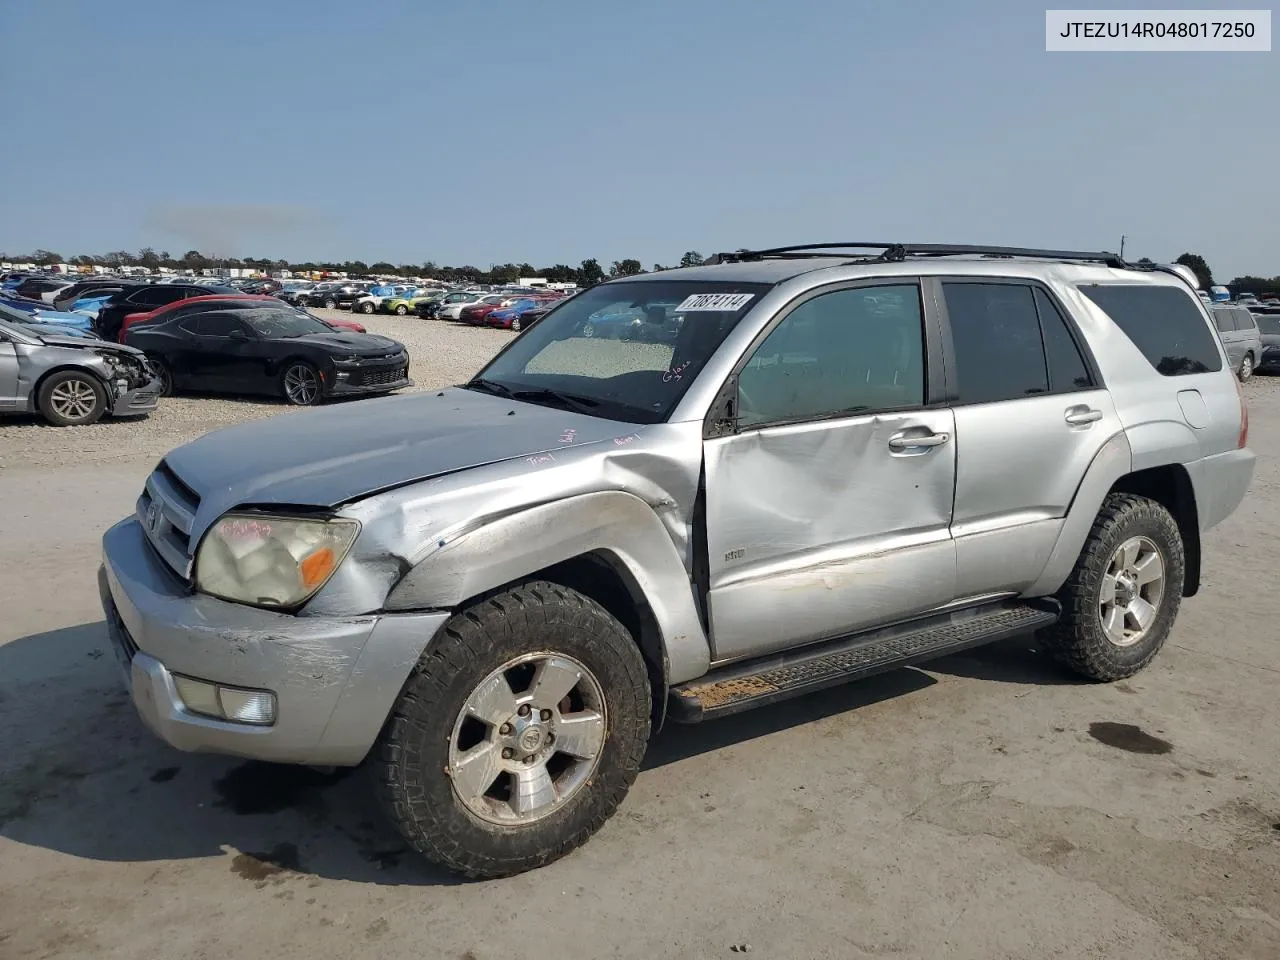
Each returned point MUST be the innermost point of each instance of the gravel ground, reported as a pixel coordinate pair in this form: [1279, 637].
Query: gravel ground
[986, 807]
[440, 352]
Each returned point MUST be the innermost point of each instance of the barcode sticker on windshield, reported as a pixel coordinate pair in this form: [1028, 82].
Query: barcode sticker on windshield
[728, 302]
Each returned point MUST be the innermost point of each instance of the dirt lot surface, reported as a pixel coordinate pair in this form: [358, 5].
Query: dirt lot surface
[986, 807]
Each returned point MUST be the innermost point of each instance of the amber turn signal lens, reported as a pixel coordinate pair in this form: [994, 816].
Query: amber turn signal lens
[316, 567]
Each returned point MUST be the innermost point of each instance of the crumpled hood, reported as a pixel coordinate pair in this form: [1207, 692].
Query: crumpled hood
[330, 455]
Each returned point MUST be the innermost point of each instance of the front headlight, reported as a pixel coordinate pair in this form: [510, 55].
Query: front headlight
[271, 561]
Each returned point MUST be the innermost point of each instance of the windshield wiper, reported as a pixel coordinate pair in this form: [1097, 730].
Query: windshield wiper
[568, 401]
[488, 386]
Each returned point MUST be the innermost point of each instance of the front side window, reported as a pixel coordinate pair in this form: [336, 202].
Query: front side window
[839, 354]
[626, 350]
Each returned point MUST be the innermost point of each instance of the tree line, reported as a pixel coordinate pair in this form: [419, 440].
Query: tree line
[586, 274]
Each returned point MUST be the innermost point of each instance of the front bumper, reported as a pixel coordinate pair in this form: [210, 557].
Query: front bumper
[335, 679]
[139, 401]
[342, 389]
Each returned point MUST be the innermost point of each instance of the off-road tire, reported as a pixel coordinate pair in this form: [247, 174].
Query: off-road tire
[411, 757]
[1078, 639]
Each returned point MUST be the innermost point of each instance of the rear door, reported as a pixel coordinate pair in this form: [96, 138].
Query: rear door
[1224, 319]
[1031, 413]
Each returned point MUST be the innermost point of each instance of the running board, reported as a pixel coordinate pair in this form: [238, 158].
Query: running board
[753, 683]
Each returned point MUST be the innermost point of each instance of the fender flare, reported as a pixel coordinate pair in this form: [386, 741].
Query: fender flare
[1112, 462]
[513, 547]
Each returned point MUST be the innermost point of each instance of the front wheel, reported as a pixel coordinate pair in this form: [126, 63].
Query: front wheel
[72, 398]
[164, 374]
[366, 308]
[515, 324]
[518, 734]
[401, 309]
[1121, 599]
[1246, 367]
[300, 383]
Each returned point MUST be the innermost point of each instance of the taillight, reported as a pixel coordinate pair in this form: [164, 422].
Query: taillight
[1243, 440]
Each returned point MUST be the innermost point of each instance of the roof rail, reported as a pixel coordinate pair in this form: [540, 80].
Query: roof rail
[893, 252]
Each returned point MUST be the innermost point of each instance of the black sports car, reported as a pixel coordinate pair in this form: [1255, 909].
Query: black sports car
[335, 298]
[270, 349]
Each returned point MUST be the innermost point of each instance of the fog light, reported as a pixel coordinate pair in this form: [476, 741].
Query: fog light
[248, 706]
[226, 703]
[198, 696]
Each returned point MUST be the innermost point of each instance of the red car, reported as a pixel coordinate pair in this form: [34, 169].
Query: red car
[191, 304]
[478, 312]
[200, 304]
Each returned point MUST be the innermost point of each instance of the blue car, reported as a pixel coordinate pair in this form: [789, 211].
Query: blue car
[32, 311]
[509, 317]
[90, 306]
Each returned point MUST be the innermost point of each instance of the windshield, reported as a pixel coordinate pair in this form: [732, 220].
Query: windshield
[271, 322]
[12, 314]
[626, 351]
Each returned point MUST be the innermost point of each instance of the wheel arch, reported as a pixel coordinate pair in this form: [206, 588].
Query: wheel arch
[33, 402]
[610, 546]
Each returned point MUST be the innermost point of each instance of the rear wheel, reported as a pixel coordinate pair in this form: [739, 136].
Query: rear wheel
[518, 734]
[515, 324]
[331, 304]
[1121, 599]
[1246, 367]
[366, 308]
[300, 383]
[72, 398]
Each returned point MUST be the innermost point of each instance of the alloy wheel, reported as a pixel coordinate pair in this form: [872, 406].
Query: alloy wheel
[528, 739]
[301, 384]
[73, 399]
[1132, 589]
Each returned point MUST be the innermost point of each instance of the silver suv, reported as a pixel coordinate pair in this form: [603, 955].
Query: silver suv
[821, 463]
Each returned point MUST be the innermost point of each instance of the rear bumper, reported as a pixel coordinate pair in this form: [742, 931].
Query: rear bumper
[334, 679]
[1220, 483]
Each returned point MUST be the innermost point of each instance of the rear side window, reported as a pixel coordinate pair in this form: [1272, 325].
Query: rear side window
[996, 334]
[1163, 322]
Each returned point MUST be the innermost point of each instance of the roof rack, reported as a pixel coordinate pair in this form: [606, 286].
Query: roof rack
[894, 252]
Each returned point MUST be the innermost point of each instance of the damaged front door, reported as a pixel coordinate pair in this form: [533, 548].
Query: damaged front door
[828, 510]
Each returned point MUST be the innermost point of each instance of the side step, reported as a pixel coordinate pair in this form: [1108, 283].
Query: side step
[753, 683]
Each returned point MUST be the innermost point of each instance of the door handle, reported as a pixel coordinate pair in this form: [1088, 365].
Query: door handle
[1077, 416]
[901, 441]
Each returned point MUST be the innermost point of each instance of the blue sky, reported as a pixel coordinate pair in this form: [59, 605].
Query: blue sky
[493, 131]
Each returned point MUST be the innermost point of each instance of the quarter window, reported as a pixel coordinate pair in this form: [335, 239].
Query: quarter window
[1067, 369]
[841, 353]
[1163, 322]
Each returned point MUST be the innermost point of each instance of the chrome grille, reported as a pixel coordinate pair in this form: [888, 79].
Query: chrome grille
[167, 511]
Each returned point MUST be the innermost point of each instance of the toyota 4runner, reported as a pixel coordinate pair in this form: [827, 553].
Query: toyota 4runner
[808, 465]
